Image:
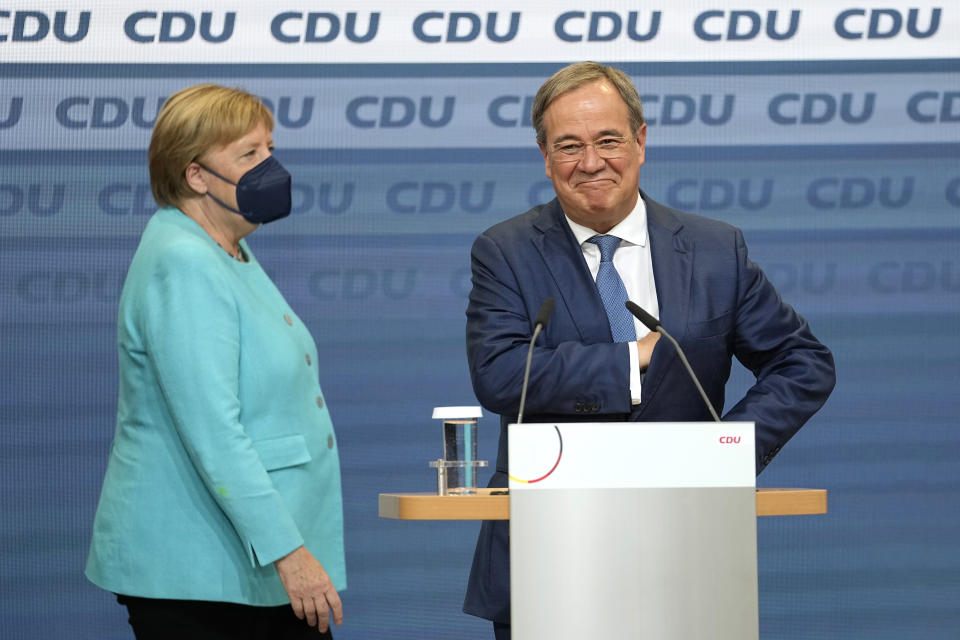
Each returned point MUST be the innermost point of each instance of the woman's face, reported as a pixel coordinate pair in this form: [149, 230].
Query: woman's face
[234, 159]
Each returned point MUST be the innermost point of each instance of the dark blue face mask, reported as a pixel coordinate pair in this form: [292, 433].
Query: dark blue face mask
[263, 193]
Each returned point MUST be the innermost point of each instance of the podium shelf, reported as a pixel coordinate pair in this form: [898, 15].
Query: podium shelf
[486, 506]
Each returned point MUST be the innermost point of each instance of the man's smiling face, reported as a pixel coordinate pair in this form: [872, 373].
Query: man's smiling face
[595, 192]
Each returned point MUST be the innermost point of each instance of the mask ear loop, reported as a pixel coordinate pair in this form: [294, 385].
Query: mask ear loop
[208, 169]
[215, 198]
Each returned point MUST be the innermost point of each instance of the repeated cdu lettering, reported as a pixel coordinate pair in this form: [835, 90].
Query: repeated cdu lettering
[179, 26]
[605, 26]
[58, 286]
[680, 109]
[933, 106]
[394, 112]
[324, 198]
[855, 192]
[360, 283]
[13, 112]
[291, 27]
[879, 24]
[714, 194]
[107, 112]
[440, 197]
[123, 199]
[39, 200]
[805, 277]
[915, 276]
[464, 26]
[745, 25]
[821, 108]
[35, 26]
[283, 111]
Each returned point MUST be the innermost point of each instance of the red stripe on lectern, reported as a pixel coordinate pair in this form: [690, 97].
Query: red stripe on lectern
[555, 464]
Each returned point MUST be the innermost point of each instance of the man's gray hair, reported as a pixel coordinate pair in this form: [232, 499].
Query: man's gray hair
[575, 76]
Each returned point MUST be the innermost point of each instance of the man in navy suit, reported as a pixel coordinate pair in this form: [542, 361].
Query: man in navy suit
[592, 363]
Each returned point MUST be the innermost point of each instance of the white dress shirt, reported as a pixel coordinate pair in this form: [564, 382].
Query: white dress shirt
[633, 262]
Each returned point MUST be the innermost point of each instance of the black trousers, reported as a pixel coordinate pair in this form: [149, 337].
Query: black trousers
[159, 619]
[501, 631]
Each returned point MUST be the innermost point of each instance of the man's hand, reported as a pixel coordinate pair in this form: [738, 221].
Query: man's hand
[645, 347]
[309, 588]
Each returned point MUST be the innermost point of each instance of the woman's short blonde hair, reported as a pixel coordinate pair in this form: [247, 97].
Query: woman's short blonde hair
[575, 76]
[191, 122]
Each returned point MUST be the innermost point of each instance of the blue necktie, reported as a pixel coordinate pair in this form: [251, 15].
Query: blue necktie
[612, 291]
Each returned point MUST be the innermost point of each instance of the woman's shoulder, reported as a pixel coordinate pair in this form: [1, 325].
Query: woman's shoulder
[172, 257]
[173, 237]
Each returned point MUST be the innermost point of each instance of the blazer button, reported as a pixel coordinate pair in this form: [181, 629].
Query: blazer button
[288, 319]
[329, 442]
[308, 359]
[320, 401]
[595, 407]
[578, 407]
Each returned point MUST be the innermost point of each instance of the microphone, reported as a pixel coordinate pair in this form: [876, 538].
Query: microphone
[654, 325]
[543, 317]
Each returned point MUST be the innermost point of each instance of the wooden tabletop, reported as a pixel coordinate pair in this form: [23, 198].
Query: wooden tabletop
[484, 506]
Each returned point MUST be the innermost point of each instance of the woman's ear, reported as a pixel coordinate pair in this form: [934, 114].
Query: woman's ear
[195, 178]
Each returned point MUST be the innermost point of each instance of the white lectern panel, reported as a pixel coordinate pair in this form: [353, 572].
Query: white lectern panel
[633, 530]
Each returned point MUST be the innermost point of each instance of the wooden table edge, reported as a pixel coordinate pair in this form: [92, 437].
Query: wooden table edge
[484, 506]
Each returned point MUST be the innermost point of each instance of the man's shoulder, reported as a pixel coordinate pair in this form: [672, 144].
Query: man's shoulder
[536, 218]
[690, 223]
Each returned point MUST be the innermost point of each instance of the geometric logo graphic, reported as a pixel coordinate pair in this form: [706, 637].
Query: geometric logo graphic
[552, 469]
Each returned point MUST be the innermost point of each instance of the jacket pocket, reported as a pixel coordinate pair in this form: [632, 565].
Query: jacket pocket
[285, 451]
[710, 328]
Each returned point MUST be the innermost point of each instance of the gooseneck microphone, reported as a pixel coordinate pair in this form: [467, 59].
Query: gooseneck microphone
[654, 325]
[543, 317]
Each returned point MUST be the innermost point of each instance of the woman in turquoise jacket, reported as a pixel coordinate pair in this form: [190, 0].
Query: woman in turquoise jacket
[221, 512]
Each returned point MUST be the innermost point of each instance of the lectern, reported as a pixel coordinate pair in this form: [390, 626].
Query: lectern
[633, 531]
[628, 530]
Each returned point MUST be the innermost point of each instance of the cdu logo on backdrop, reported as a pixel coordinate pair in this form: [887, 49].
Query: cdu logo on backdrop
[291, 27]
[440, 197]
[107, 112]
[14, 109]
[396, 112]
[464, 26]
[36, 26]
[179, 26]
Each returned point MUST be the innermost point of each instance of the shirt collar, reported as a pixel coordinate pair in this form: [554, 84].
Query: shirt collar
[632, 229]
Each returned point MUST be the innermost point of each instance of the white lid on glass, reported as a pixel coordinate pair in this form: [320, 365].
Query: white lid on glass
[453, 413]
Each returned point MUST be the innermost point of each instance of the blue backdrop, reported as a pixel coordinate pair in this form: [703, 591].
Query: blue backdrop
[843, 174]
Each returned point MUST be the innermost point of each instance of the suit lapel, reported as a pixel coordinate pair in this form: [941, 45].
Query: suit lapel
[564, 260]
[672, 257]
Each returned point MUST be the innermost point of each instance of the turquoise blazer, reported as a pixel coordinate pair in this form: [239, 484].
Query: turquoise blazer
[224, 457]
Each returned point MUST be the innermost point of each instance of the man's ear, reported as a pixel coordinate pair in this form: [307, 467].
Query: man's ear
[642, 142]
[546, 159]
